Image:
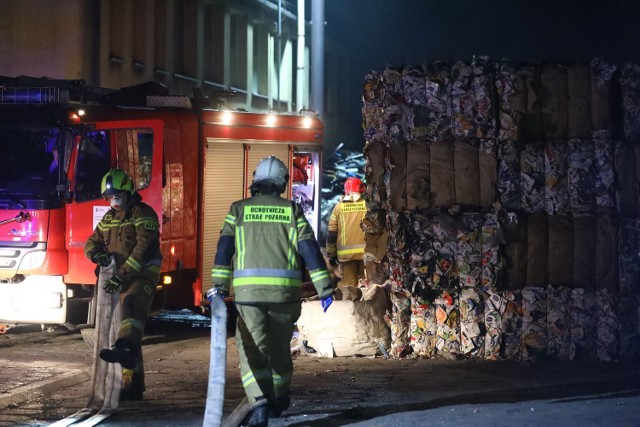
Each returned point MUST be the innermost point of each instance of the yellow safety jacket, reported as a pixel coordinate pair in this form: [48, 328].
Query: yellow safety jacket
[345, 238]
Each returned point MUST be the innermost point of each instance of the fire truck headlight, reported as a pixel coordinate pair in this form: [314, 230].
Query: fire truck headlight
[306, 122]
[32, 260]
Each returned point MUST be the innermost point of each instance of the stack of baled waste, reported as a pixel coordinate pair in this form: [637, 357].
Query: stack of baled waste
[510, 195]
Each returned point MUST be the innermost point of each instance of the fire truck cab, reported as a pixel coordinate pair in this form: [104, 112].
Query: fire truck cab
[188, 161]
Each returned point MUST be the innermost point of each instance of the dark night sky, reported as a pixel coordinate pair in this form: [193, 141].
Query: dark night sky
[409, 32]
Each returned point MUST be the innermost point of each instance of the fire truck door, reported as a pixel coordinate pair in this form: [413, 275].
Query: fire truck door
[135, 147]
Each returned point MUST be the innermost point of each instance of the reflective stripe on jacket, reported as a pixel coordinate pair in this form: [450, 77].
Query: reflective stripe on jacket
[132, 237]
[345, 238]
[263, 242]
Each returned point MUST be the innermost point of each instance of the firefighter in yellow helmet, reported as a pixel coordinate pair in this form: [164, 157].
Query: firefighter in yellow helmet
[128, 232]
[264, 241]
[345, 238]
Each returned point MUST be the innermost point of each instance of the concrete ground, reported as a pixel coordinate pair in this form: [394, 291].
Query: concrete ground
[45, 376]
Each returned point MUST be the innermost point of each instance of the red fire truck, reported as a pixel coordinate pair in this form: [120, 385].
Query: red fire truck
[189, 162]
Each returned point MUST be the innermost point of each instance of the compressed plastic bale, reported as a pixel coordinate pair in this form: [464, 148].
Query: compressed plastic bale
[583, 324]
[628, 174]
[484, 104]
[447, 324]
[537, 250]
[555, 102]
[391, 90]
[531, 122]
[397, 189]
[584, 251]
[512, 101]
[516, 248]
[372, 111]
[579, 105]
[607, 341]
[581, 176]
[438, 107]
[462, 100]
[472, 326]
[532, 178]
[629, 254]
[560, 251]
[534, 313]
[629, 342]
[468, 256]
[630, 87]
[466, 169]
[396, 122]
[423, 327]
[491, 257]
[424, 274]
[445, 274]
[495, 306]
[418, 175]
[414, 86]
[606, 253]
[375, 155]
[604, 167]
[558, 322]
[601, 76]
[509, 188]
[442, 174]
[488, 171]
[556, 190]
[399, 322]
[512, 321]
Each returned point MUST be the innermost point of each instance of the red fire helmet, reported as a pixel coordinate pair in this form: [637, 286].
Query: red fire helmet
[352, 185]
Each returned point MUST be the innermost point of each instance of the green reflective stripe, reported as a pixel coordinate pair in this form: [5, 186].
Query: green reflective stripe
[230, 219]
[270, 281]
[292, 251]
[240, 246]
[319, 274]
[282, 379]
[221, 273]
[343, 230]
[252, 376]
[301, 224]
[132, 323]
[256, 213]
[133, 263]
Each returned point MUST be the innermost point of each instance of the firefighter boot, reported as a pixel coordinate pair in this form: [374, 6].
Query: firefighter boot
[259, 416]
[120, 353]
[132, 385]
[277, 407]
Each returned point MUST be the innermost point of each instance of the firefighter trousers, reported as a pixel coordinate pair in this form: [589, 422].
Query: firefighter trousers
[263, 338]
[352, 272]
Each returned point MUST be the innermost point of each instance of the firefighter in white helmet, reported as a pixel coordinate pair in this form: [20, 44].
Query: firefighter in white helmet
[263, 243]
[345, 238]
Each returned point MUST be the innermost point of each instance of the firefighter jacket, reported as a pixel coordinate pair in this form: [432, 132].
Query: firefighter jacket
[345, 238]
[265, 243]
[132, 238]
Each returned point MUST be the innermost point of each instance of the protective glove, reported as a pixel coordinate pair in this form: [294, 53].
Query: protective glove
[326, 302]
[102, 259]
[215, 292]
[114, 284]
[333, 261]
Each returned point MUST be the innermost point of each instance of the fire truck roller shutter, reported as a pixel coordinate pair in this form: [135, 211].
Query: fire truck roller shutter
[223, 184]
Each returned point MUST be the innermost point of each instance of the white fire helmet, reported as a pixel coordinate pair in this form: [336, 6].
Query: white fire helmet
[271, 169]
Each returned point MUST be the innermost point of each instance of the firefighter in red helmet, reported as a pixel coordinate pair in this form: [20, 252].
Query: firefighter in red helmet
[345, 238]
